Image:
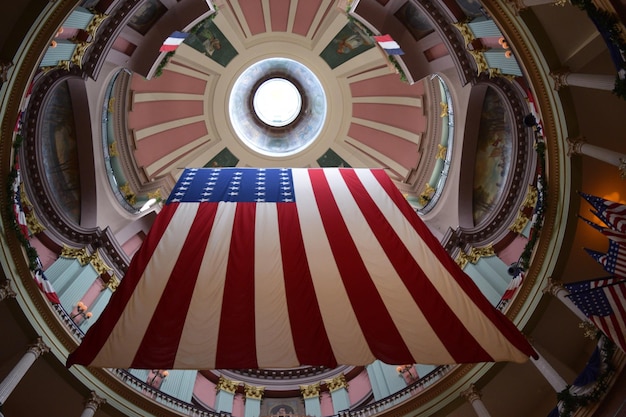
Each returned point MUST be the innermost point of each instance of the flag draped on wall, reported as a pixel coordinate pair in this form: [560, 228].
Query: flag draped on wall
[20, 220]
[173, 41]
[250, 268]
[603, 301]
[390, 46]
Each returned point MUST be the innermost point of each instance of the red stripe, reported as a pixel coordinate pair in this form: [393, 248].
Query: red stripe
[307, 327]
[503, 324]
[377, 326]
[616, 292]
[160, 342]
[100, 331]
[168, 48]
[449, 329]
[236, 347]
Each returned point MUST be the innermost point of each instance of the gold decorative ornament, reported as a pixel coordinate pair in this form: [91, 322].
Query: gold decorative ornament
[254, 392]
[337, 383]
[224, 384]
[82, 255]
[441, 151]
[310, 391]
[444, 109]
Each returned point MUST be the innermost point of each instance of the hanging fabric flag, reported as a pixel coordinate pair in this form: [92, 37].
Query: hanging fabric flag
[389, 45]
[173, 41]
[277, 268]
[18, 211]
[603, 301]
[614, 261]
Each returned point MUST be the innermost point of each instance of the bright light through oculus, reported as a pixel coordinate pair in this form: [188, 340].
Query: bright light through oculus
[277, 107]
[277, 102]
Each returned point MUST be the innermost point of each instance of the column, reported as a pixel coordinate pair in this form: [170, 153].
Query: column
[17, 373]
[225, 395]
[549, 373]
[92, 404]
[563, 78]
[6, 291]
[311, 395]
[556, 289]
[578, 146]
[338, 388]
[472, 395]
[254, 395]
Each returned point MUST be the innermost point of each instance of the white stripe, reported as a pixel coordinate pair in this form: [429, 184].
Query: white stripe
[198, 346]
[343, 330]
[472, 318]
[389, 45]
[417, 333]
[173, 41]
[274, 341]
[123, 342]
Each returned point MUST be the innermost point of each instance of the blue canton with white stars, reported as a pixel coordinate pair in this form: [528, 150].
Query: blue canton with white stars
[239, 185]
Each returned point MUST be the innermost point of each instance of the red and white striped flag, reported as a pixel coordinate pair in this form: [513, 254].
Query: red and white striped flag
[173, 41]
[257, 268]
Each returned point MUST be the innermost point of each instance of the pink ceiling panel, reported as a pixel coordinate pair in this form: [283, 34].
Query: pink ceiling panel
[253, 13]
[387, 85]
[169, 82]
[157, 112]
[398, 149]
[304, 16]
[155, 147]
[404, 117]
[279, 10]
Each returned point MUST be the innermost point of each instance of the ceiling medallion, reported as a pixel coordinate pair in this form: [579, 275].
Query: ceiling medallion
[277, 107]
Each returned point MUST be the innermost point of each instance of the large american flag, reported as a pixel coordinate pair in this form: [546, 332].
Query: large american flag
[251, 268]
[603, 301]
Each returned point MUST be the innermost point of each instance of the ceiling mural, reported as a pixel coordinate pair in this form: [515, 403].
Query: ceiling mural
[493, 155]
[349, 42]
[207, 39]
[59, 151]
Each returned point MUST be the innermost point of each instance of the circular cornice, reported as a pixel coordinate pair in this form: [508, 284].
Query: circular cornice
[338, 112]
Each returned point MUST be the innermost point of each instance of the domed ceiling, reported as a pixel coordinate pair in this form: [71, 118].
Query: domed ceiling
[203, 109]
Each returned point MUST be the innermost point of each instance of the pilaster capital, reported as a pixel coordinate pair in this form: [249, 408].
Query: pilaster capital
[6, 291]
[225, 384]
[337, 383]
[94, 401]
[38, 348]
[471, 394]
[254, 392]
[560, 78]
[553, 287]
[574, 145]
[310, 391]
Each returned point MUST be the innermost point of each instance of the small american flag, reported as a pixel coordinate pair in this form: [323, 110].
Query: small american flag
[611, 213]
[603, 301]
[613, 261]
